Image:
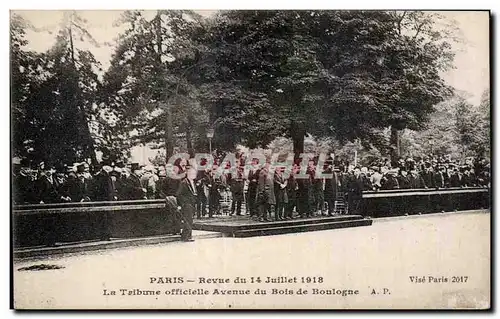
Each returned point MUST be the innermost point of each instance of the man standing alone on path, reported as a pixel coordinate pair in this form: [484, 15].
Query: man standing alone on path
[186, 198]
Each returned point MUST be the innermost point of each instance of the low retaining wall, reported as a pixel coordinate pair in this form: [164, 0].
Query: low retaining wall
[387, 203]
[35, 225]
[40, 224]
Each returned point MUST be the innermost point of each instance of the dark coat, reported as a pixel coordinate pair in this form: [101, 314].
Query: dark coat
[78, 188]
[416, 181]
[186, 198]
[23, 190]
[291, 188]
[237, 185]
[483, 178]
[186, 195]
[253, 177]
[344, 182]
[201, 183]
[265, 188]
[280, 194]
[456, 180]
[367, 183]
[404, 182]
[439, 181]
[355, 186]
[390, 181]
[103, 187]
[172, 186]
[161, 187]
[469, 180]
[215, 185]
[332, 187]
[428, 178]
[131, 188]
[47, 190]
[62, 186]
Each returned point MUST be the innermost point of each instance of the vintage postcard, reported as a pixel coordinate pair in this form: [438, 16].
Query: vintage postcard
[250, 159]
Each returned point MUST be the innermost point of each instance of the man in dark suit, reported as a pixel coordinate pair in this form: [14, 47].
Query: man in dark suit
[214, 187]
[103, 189]
[291, 191]
[265, 193]
[237, 184]
[303, 195]
[428, 175]
[132, 184]
[280, 193]
[416, 181]
[439, 179]
[24, 185]
[404, 180]
[78, 185]
[355, 189]
[202, 181]
[332, 187]
[253, 176]
[48, 188]
[48, 193]
[186, 198]
[468, 178]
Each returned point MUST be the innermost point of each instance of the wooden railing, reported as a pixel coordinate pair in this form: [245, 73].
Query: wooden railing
[42, 224]
[421, 201]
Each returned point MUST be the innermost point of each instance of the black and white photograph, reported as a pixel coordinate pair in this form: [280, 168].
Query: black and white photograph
[250, 159]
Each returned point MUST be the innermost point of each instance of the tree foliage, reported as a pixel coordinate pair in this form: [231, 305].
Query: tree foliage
[54, 94]
[145, 81]
[457, 128]
[343, 74]
[342, 79]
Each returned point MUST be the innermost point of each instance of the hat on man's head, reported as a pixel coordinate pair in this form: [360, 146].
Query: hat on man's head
[134, 166]
[59, 167]
[116, 171]
[17, 166]
[106, 161]
[80, 167]
[25, 162]
[392, 172]
[120, 164]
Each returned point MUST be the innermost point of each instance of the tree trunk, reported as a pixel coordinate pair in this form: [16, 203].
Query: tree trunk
[158, 38]
[189, 141]
[169, 136]
[298, 132]
[395, 149]
[72, 48]
[88, 142]
[169, 139]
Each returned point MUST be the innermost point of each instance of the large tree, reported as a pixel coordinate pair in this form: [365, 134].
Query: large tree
[146, 88]
[344, 74]
[25, 74]
[58, 101]
[457, 128]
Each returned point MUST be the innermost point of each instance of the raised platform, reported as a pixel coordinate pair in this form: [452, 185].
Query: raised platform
[244, 226]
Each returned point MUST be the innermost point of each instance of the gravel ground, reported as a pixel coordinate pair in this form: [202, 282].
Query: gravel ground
[354, 268]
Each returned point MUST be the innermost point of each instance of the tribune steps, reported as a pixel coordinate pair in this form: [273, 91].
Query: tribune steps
[248, 228]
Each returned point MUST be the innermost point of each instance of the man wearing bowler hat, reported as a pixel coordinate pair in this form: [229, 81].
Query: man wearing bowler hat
[186, 198]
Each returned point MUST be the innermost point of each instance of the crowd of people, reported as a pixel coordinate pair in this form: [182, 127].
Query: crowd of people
[267, 192]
